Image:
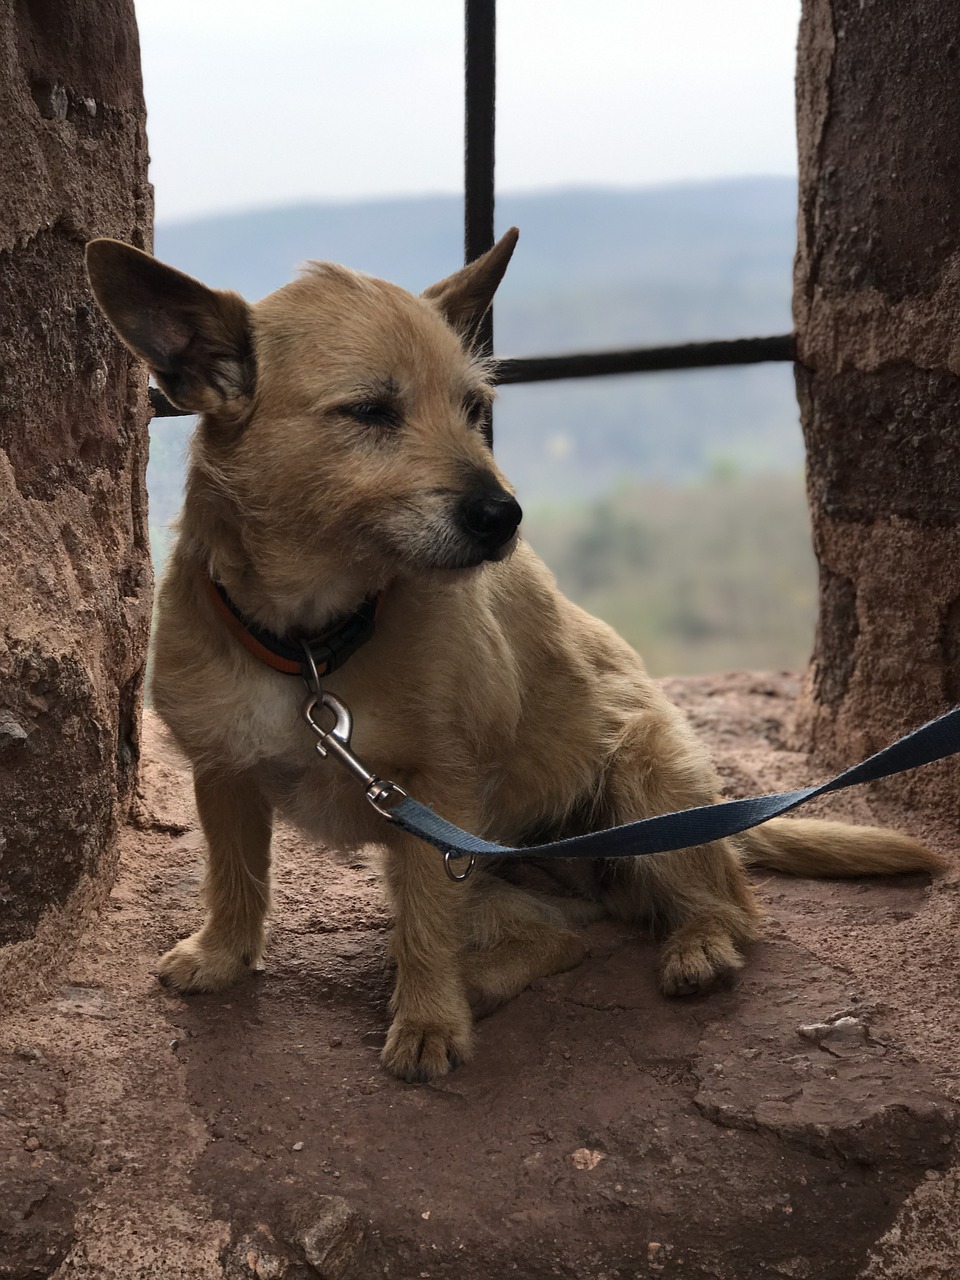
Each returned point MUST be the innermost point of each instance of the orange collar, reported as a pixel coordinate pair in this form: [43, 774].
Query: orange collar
[329, 650]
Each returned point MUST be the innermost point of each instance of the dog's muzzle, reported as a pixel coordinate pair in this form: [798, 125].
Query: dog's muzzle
[489, 520]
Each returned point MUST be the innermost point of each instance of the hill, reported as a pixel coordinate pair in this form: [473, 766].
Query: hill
[671, 504]
[717, 575]
[594, 269]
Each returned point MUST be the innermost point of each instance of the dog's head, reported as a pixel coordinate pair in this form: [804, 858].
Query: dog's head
[341, 432]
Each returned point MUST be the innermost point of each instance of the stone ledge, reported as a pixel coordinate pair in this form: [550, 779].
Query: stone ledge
[801, 1124]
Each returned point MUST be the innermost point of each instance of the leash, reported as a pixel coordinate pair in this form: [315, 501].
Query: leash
[313, 657]
[684, 829]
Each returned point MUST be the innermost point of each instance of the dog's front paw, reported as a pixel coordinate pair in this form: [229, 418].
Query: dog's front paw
[421, 1054]
[697, 959]
[200, 963]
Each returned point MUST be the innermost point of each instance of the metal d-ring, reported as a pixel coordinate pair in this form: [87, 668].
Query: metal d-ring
[313, 680]
[451, 853]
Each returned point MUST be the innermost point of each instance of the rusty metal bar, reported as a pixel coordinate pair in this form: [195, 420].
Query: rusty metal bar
[480, 70]
[161, 406]
[597, 364]
[691, 355]
[480, 91]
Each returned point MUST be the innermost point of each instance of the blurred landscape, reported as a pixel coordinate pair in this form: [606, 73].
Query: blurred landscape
[670, 504]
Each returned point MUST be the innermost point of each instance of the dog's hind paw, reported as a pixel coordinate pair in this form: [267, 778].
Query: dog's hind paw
[697, 960]
[198, 963]
[422, 1054]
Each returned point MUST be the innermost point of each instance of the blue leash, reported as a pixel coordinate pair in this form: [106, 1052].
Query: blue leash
[933, 741]
[682, 830]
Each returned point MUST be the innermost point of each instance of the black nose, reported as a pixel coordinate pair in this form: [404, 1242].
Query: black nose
[491, 518]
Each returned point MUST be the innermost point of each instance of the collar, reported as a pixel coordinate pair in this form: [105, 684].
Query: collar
[329, 650]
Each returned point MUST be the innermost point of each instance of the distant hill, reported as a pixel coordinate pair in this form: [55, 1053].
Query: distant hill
[711, 576]
[594, 268]
[671, 504]
[687, 234]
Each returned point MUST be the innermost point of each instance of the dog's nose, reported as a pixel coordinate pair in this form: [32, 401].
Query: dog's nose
[492, 518]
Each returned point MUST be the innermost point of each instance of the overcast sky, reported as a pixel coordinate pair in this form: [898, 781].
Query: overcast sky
[253, 103]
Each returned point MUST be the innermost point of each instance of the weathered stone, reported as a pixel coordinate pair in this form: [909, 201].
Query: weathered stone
[159, 1164]
[843, 1037]
[75, 574]
[877, 310]
[333, 1237]
[12, 732]
[255, 1257]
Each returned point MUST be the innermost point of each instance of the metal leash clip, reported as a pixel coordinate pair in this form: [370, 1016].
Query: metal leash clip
[380, 792]
[335, 742]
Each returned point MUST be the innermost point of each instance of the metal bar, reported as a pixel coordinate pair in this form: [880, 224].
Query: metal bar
[480, 69]
[161, 406]
[692, 355]
[598, 364]
[480, 87]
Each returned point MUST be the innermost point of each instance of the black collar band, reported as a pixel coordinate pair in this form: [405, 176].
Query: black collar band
[329, 650]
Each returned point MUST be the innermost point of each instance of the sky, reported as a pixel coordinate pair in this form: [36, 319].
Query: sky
[253, 103]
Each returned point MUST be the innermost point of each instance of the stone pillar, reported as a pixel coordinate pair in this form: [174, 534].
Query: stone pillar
[877, 312]
[75, 577]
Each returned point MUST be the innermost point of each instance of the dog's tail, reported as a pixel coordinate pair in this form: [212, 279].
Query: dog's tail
[810, 847]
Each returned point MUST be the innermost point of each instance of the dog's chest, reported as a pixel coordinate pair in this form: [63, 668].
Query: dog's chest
[263, 723]
[269, 739]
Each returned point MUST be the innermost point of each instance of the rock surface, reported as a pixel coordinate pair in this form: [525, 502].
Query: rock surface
[877, 313]
[75, 577]
[801, 1124]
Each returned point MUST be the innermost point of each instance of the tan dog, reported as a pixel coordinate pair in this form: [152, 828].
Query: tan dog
[339, 455]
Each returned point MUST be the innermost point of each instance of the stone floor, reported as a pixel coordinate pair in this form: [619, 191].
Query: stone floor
[802, 1124]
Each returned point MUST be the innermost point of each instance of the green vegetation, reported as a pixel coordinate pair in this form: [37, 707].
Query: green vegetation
[714, 576]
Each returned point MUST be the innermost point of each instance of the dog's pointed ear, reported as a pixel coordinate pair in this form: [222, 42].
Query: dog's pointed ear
[197, 341]
[465, 297]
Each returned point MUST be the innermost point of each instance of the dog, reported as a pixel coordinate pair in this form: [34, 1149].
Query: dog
[340, 468]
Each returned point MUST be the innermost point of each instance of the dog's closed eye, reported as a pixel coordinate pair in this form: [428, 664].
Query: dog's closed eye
[374, 413]
[476, 407]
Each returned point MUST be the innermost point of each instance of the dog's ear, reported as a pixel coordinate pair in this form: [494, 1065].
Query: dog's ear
[465, 297]
[197, 341]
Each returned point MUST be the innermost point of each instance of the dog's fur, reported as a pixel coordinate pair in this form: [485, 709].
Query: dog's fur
[339, 445]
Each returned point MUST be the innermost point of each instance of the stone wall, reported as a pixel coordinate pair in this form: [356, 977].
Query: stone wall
[75, 577]
[877, 309]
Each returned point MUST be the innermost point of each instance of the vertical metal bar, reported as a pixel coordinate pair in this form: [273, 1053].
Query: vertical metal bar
[480, 92]
[480, 77]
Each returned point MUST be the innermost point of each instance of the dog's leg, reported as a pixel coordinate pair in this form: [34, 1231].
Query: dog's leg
[703, 901]
[516, 937]
[236, 822]
[700, 897]
[432, 1024]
